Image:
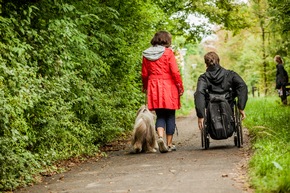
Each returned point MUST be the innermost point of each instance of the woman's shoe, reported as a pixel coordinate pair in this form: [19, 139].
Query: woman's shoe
[172, 148]
[162, 147]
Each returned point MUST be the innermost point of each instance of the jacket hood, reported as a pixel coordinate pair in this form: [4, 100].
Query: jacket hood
[215, 74]
[154, 52]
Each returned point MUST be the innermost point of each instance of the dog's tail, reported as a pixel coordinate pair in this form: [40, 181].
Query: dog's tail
[139, 135]
[140, 127]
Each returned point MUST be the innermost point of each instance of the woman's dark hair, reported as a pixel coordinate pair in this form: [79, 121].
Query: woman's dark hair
[211, 59]
[162, 38]
[278, 59]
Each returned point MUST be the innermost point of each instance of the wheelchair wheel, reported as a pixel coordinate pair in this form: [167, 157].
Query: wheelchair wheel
[206, 145]
[238, 138]
[204, 137]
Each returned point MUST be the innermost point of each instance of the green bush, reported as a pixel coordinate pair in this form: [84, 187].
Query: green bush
[69, 80]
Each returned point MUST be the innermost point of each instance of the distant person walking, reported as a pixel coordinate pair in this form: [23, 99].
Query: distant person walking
[163, 84]
[281, 79]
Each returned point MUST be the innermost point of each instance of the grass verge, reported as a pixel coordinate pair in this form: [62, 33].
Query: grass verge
[269, 125]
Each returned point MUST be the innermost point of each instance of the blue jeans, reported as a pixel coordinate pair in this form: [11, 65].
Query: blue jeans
[166, 120]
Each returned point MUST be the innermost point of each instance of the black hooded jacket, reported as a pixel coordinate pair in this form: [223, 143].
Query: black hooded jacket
[218, 80]
[281, 76]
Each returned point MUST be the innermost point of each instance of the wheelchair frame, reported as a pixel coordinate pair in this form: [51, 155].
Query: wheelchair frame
[238, 130]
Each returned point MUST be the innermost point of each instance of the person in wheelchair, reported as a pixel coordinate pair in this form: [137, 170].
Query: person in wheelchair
[219, 80]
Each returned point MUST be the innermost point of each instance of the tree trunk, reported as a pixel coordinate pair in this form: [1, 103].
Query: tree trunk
[264, 60]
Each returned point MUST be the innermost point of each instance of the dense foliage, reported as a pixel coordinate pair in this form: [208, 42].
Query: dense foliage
[69, 77]
[268, 122]
[269, 21]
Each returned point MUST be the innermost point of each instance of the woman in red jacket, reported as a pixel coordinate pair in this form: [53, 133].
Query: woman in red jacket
[163, 84]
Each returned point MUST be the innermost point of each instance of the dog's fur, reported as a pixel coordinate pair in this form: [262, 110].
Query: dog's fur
[144, 135]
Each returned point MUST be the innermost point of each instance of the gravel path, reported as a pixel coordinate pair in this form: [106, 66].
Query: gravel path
[190, 169]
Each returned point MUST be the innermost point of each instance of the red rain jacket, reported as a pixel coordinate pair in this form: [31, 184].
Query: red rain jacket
[162, 81]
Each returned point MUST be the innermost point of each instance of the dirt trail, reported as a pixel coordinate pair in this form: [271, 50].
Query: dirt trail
[191, 169]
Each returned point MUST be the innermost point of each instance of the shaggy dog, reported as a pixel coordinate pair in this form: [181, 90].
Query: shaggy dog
[144, 135]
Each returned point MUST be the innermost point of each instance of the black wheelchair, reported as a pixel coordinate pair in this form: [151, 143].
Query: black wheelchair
[238, 130]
